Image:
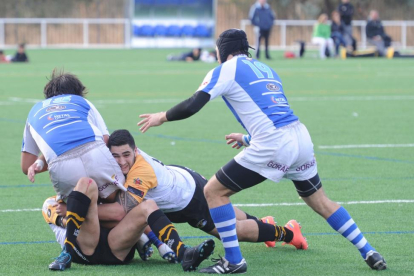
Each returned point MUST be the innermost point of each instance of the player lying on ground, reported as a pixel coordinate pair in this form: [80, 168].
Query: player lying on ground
[279, 147]
[88, 243]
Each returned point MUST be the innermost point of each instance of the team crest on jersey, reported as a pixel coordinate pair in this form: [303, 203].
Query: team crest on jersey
[135, 191]
[273, 87]
[55, 108]
[65, 99]
[203, 84]
[137, 181]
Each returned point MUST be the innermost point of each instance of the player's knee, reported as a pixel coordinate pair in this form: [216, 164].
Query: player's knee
[86, 185]
[148, 206]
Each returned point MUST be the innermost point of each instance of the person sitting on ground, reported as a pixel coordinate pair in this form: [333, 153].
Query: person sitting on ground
[20, 56]
[322, 36]
[376, 34]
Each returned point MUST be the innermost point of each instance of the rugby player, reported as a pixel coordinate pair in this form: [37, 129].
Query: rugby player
[279, 145]
[66, 135]
[178, 192]
[87, 242]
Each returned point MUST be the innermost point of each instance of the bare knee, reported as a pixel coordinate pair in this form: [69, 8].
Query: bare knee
[148, 206]
[87, 186]
[215, 189]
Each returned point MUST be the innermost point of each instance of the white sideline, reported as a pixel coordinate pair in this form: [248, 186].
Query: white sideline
[294, 99]
[367, 146]
[263, 204]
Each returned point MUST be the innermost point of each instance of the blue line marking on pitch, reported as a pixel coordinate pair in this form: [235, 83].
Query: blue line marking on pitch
[12, 120]
[208, 237]
[26, 186]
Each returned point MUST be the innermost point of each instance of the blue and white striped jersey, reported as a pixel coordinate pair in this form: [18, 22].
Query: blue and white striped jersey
[61, 123]
[253, 92]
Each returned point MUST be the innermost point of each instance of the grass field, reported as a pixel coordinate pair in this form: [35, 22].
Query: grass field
[353, 102]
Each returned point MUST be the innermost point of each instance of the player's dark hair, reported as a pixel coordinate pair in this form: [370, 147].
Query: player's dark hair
[61, 83]
[121, 137]
[232, 42]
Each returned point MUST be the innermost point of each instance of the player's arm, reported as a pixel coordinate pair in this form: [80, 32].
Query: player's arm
[27, 159]
[32, 165]
[181, 111]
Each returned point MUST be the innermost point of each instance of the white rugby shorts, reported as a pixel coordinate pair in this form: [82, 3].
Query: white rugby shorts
[92, 160]
[285, 152]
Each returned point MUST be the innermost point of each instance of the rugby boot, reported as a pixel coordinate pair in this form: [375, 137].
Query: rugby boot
[62, 262]
[144, 248]
[193, 256]
[167, 254]
[269, 220]
[298, 240]
[223, 266]
[375, 260]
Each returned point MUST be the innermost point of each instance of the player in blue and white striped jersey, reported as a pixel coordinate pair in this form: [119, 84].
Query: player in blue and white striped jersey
[66, 135]
[277, 146]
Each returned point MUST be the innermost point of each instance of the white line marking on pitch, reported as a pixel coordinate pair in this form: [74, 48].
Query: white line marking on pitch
[295, 99]
[20, 210]
[342, 203]
[263, 204]
[367, 146]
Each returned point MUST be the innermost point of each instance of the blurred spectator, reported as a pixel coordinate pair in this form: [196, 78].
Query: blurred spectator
[209, 56]
[346, 10]
[20, 56]
[375, 33]
[337, 32]
[3, 58]
[194, 55]
[262, 16]
[322, 36]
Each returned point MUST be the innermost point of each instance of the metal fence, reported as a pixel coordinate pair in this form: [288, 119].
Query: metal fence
[286, 33]
[65, 32]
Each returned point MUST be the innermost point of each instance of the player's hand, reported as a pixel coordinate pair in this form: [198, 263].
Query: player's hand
[32, 171]
[150, 120]
[61, 209]
[236, 138]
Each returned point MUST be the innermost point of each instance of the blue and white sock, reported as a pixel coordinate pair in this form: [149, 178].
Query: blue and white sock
[225, 220]
[154, 240]
[342, 222]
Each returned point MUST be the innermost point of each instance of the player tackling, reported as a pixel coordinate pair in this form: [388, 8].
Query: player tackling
[278, 146]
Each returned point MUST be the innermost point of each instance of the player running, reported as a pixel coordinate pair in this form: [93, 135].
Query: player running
[277, 146]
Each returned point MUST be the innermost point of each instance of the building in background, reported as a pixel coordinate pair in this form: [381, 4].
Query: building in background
[173, 23]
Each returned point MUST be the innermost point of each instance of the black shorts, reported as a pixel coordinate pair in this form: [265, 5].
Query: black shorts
[236, 177]
[196, 213]
[102, 255]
